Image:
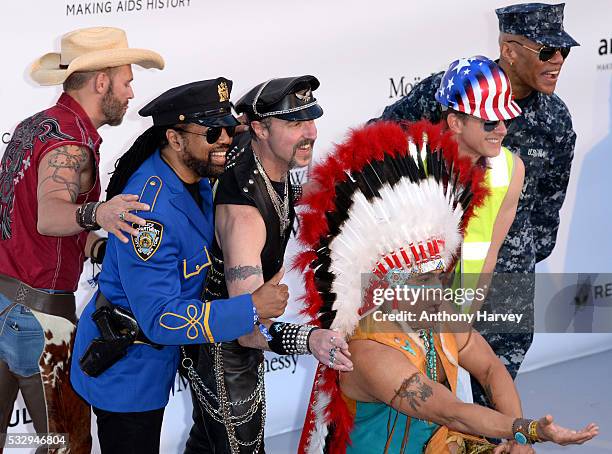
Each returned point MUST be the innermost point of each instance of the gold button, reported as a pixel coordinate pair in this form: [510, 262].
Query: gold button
[181, 117]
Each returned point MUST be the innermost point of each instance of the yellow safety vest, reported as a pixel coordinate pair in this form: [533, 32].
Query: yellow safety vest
[479, 232]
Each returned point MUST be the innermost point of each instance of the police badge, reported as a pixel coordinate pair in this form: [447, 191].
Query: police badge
[223, 91]
[148, 240]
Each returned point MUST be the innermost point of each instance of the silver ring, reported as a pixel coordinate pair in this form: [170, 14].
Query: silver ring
[332, 356]
[122, 215]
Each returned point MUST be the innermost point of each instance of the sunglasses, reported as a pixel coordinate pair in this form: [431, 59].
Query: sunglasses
[490, 125]
[545, 53]
[487, 125]
[213, 133]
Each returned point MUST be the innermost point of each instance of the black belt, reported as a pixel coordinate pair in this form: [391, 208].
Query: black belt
[61, 305]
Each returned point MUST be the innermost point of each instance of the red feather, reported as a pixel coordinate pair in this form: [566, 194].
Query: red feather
[302, 261]
[312, 298]
[480, 191]
[313, 227]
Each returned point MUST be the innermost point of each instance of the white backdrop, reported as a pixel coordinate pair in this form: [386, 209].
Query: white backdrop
[365, 54]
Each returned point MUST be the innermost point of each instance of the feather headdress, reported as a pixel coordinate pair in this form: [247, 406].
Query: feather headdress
[390, 198]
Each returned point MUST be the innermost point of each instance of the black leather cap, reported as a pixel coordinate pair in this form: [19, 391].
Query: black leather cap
[205, 103]
[287, 98]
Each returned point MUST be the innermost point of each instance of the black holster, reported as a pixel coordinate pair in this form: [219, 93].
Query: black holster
[119, 330]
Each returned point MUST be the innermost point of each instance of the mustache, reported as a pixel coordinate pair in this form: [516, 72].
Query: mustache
[220, 148]
[303, 143]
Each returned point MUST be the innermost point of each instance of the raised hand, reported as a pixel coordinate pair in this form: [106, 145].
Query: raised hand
[270, 300]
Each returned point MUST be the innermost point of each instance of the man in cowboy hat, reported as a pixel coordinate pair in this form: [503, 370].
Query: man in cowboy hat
[533, 48]
[49, 204]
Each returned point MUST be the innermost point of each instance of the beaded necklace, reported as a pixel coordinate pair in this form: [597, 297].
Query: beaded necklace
[430, 354]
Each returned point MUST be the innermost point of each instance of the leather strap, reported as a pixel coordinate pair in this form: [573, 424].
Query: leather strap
[61, 305]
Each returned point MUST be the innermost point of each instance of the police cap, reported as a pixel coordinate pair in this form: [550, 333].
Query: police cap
[204, 102]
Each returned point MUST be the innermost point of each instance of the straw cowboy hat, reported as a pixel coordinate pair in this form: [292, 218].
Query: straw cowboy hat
[91, 49]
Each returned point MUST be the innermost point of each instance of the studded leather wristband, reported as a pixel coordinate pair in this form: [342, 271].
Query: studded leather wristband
[290, 338]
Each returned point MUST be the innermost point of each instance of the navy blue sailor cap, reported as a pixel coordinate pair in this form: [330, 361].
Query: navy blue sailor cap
[540, 22]
[206, 102]
[287, 98]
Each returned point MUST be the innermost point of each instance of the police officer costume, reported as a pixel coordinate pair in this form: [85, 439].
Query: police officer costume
[157, 278]
[232, 372]
[544, 139]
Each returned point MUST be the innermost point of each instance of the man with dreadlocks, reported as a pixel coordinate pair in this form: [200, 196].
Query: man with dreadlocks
[253, 217]
[49, 205]
[148, 301]
[388, 213]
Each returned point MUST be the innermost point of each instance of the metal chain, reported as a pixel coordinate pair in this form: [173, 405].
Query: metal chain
[281, 211]
[234, 442]
[193, 374]
[223, 415]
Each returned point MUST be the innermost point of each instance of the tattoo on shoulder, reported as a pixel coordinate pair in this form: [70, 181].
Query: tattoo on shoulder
[66, 163]
[240, 273]
[414, 390]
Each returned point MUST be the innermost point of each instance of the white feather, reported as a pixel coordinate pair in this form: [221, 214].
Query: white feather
[316, 439]
[407, 213]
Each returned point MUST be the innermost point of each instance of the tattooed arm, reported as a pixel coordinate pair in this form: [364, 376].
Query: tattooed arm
[383, 374]
[241, 234]
[61, 174]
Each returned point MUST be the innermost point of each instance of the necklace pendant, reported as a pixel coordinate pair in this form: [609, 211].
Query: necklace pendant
[408, 348]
